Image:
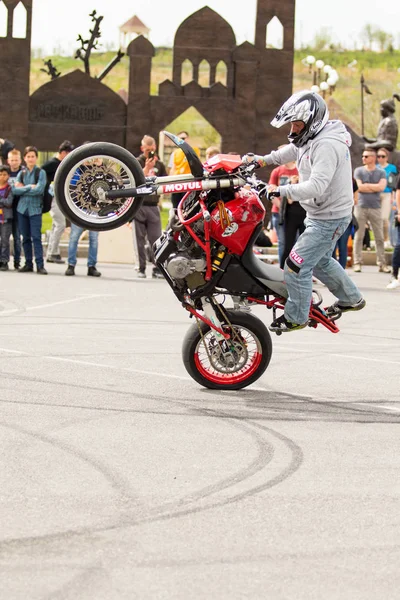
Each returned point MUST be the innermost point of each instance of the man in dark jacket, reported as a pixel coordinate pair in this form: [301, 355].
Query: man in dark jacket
[147, 221]
[59, 222]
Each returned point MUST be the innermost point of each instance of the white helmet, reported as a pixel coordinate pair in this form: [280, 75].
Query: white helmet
[304, 106]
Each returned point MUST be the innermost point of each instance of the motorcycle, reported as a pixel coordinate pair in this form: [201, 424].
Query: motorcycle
[205, 254]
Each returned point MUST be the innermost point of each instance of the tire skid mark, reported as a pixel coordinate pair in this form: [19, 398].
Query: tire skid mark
[117, 483]
[182, 507]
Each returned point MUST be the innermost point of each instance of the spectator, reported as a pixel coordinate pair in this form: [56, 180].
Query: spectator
[180, 166]
[14, 160]
[287, 219]
[59, 221]
[395, 283]
[386, 195]
[212, 151]
[6, 216]
[5, 147]
[371, 181]
[30, 185]
[147, 221]
[74, 238]
[341, 245]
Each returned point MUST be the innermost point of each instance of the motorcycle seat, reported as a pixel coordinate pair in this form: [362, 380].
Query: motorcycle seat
[260, 269]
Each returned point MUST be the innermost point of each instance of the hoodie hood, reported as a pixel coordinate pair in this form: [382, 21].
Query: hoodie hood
[334, 130]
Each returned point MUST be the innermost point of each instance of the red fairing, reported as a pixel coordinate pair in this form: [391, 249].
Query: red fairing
[227, 162]
[245, 213]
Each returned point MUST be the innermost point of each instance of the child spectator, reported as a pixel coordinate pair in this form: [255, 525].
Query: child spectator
[6, 215]
[30, 186]
[14, 160]
[212, 151]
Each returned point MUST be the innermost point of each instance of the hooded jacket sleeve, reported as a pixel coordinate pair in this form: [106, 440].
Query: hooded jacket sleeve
[282, 156]
[324, 162]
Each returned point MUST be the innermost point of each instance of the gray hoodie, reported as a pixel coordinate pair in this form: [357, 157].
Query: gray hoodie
[325, 188]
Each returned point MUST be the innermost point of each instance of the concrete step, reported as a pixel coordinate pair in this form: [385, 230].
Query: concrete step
[270, 255]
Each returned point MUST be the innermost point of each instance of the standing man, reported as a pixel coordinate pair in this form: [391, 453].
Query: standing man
[50, 167]
[30, 185]
[14, 160]
[147, 221]
[321, 150]
[371, 181]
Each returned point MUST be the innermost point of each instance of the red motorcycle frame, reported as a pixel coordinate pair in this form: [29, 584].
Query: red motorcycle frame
[205, 254]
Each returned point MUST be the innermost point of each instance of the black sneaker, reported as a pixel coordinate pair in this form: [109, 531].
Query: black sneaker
[41, 271]
[26, 269]
[3, 266]
[282, 325]
[70, 271]
[56, 258]
[93, 272]
[16, 266]
[338, 308]
[157, 274]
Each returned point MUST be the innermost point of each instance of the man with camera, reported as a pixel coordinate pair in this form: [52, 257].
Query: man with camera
[147, 221]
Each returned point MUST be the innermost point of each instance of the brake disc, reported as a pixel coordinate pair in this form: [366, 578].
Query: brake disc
[93, 179]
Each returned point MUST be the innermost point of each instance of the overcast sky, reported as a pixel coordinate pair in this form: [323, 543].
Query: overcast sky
[57, 23]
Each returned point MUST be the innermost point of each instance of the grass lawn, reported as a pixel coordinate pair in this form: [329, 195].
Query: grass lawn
[47, 220]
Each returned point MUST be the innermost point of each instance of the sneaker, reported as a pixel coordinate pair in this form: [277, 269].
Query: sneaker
[384, 269]
[338, 308]
[26, 269]
[157, 274]
[357, 268]
[41, 271]
[282, 325]
[16, 266]
[56, 258]
[93, 272]
[70, 271]
[3, 266]
[395, 283]
[141, 275]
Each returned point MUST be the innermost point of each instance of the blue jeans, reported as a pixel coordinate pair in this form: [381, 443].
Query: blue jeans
[341, 246]
[31, 231]
[280, 234]
[313, 253]
[76, 233]
[16, 237]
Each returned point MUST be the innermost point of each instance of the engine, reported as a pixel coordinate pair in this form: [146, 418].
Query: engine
[181, 265]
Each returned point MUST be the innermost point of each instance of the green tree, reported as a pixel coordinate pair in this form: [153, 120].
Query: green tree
[383, 38]
[368, 34]
[322, 40]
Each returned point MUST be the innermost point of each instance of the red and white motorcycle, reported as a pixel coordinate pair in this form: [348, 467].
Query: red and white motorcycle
[205, 253]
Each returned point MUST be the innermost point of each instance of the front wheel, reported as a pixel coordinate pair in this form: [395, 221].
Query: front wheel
[240, 363]
[89, 171]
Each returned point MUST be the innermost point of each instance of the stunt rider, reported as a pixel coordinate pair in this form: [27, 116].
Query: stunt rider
[321, 150]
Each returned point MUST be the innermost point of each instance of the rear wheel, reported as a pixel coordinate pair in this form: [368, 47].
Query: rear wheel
[89, 171]
[211, 365]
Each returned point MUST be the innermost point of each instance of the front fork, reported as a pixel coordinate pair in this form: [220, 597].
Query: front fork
[225, 345]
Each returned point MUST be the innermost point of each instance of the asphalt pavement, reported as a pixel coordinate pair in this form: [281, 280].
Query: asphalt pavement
[122, 478]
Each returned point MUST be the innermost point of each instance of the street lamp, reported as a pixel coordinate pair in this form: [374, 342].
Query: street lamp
[324, 77]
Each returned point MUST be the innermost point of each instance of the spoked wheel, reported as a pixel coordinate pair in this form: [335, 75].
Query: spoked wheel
[89, 171]
[234, 367]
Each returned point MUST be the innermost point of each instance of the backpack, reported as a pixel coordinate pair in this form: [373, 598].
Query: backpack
[47, 197]
[392, 180]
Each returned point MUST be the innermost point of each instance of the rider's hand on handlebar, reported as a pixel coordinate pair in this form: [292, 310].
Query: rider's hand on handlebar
[253, 159]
